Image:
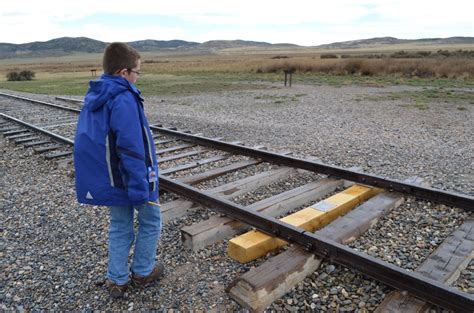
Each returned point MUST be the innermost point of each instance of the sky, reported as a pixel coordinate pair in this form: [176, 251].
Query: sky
[302, 22]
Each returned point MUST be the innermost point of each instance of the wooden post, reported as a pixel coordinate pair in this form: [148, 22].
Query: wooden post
[288, 71]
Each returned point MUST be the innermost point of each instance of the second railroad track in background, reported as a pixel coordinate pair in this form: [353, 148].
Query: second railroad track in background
[338, 205]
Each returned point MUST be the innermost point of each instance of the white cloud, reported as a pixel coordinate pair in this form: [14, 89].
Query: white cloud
[306, 22]
[109, 34]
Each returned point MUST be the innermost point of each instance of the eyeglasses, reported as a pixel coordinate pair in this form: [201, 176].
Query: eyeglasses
[133, 71]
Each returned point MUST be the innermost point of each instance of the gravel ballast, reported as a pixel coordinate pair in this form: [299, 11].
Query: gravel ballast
[54, 251]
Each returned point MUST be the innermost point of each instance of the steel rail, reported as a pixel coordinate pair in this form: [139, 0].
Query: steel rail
[431, 194]
[39, 129]
[420, 286]
[416, 284]
[69, 99]
[440, 196]
[40, 102]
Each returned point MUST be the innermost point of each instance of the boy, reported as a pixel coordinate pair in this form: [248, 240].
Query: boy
[115, 163]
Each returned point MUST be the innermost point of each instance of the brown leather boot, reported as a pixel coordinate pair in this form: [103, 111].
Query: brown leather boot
[116, 291]
[155, 275]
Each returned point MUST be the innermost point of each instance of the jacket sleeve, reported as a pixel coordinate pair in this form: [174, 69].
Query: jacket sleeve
[126, 125]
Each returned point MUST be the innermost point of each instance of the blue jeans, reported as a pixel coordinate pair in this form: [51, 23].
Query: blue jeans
[122, 235]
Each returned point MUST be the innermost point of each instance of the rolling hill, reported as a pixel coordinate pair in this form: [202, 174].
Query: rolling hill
[68, 45]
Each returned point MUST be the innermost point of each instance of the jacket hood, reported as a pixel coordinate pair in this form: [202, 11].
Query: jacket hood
[105, 88]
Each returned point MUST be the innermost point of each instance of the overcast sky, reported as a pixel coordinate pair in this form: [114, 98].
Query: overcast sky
[303, 22]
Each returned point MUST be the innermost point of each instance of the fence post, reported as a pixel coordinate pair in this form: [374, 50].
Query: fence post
[289, 71]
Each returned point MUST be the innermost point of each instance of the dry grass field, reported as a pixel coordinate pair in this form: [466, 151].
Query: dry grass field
[237, 68]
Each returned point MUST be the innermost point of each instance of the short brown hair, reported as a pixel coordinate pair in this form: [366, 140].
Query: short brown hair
[119, 55]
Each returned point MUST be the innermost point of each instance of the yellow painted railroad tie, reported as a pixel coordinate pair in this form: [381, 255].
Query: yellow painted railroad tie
[254, 244]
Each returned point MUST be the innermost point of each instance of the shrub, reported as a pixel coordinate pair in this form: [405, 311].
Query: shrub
[21, 76]
[428, 67]
[328, 56]
[353, 66]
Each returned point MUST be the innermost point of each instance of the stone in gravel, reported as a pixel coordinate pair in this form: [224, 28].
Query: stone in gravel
[322, 276]
[344, 293]
[330, 268]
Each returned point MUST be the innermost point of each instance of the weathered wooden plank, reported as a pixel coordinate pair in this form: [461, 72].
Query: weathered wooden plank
[175, 148]
[352, 225]
[194, 164]
[48, 148]
[8, 129]
[182, 155]
[254, 244]
[217, 228]
[443, 265]
[247, 184]
[37, 143]
[21, 135]
[58, 154]
[397, 302]
[452, 256]
[194, 179]
[28, 139]
[197, 178]
[259, 287]
[179, 208]
[279, 271]
[13, 133]
[162, 142]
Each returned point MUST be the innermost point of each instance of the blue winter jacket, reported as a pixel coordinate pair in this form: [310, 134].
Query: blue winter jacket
[114, 153]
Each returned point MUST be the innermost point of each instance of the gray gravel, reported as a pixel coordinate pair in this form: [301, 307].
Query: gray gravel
[53, 251]
[410, 233]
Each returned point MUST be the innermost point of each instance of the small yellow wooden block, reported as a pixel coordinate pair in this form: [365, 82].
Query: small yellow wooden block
[306, 219]
[254, 244]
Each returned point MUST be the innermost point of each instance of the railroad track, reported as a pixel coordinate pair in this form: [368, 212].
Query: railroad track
[188, 160]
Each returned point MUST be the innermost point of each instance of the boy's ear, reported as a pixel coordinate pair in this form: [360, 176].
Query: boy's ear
[122, 72]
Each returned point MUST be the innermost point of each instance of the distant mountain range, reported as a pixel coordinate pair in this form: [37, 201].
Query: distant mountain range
[67, 45]
[379, 41]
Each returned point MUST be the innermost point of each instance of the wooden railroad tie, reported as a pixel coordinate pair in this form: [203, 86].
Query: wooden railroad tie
[19, 136]
[255, 244]
[27, 139]
[11, 133]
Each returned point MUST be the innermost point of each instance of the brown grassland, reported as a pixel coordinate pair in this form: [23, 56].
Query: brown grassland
[230, 69]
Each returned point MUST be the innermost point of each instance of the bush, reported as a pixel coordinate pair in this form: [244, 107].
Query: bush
[21, 76]
[328, 56]
[428, 67]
